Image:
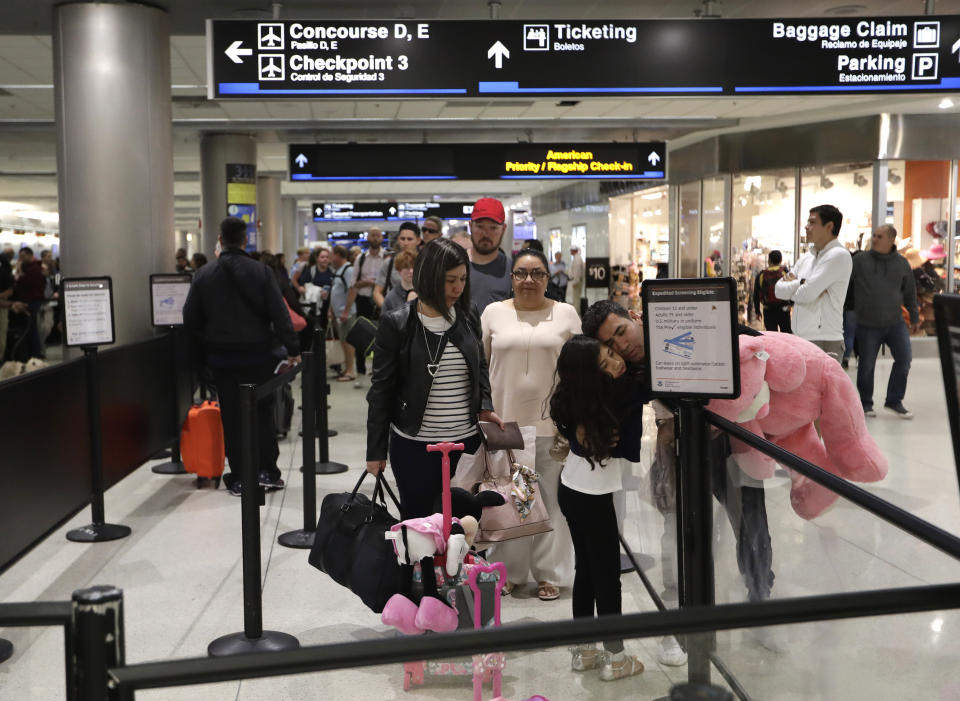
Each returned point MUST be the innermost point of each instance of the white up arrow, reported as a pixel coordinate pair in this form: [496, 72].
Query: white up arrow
[393, 210]
[498, 52]
[300, 160]
[654, 158]
[955, 48]
[318, 211]
[234, 52]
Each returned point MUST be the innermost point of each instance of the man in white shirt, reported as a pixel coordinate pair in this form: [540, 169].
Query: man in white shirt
[818, 295]
[577, 278]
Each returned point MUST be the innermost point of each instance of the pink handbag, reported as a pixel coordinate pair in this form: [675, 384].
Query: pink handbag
[524, 513]
[299, 323]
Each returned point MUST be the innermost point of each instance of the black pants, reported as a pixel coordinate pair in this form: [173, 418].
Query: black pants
[777, 318]
[747, 513]
[228, 381]
[418, 473]
[368, 308]
[596, 551]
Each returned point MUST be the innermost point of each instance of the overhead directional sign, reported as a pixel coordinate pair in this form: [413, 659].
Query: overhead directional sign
[553, 161]
[389, 211]
[312, 59]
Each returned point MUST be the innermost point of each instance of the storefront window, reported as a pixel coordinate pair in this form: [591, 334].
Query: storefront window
[763, 219]
[689, 238]
[849, 188]
[639, 241]
[713, 243]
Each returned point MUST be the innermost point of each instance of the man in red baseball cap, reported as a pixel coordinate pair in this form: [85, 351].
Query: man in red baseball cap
[489, 267]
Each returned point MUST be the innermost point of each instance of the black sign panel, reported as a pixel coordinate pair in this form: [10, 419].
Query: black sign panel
[389, 211]
[554, 161]
[315, 59]
[598, 272]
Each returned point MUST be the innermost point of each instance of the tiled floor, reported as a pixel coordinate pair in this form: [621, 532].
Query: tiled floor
[181, 575]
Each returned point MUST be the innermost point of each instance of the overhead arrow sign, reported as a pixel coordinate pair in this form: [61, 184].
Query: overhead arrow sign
[393, 210]
[318, 211]
[301, 160]
[654, 158]
[234, 52]
[498, 52]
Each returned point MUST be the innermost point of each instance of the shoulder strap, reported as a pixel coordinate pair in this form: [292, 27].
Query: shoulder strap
[389, 282]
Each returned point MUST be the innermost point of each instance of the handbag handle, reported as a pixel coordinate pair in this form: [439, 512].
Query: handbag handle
[378, 491]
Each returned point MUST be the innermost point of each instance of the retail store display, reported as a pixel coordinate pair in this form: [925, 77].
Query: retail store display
[786, 384]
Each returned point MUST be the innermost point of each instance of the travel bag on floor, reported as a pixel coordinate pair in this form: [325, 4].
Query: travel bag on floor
[201, 442]
[350, 547]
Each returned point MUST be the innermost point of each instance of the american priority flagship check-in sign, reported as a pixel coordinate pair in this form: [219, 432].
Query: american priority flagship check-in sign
[314, 59]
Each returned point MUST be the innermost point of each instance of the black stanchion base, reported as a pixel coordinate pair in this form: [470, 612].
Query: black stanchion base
[329, 468]
[169, 468]
[301, 539]
[330, 433]
[98, 533]
[645, 562]
[162, 455]
[6, 650]
[239, 644]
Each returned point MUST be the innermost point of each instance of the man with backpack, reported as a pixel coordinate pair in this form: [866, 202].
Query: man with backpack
[774, 312]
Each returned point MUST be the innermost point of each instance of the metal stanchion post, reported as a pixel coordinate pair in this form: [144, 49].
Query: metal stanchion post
[175, 466]
[253, 638]
[322, 389]
[695, 531]
[98, 531]
[699, 692]
[303, 538]
[6, 649]
[98, 643]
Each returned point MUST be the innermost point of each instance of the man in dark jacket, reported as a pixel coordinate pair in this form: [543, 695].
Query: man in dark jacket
[236, 310]
[883, 284]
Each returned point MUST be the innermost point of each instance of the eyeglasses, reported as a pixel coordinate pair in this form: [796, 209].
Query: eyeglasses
[428, 230]
[536, 275]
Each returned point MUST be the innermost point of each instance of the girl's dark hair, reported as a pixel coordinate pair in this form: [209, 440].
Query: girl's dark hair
[434, 261]
[535, 254]
[584, 396]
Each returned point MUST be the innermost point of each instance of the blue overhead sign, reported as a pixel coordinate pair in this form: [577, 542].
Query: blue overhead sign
[315, 59]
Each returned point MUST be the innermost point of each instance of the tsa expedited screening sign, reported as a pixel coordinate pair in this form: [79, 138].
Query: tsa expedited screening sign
[168, 294]
[377, 58]
[691, 337]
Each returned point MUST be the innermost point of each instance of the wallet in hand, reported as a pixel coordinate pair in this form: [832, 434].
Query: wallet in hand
[495, 439]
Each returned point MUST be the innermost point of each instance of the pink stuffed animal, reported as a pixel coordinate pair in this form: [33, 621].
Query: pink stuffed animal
[786, 383]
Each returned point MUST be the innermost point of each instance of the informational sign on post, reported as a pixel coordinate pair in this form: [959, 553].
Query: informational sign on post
[167, 295]
[389, 211]
[946, 309]
[692, 346]
[377, 58]
[88, 311]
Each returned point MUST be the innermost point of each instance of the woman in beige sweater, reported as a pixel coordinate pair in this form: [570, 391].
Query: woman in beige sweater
[522, 338]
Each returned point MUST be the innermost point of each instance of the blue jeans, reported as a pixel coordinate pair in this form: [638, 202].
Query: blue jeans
[849, 331]
[897, 339]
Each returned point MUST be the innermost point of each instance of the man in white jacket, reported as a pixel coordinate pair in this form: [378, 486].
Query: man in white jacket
[818, 295]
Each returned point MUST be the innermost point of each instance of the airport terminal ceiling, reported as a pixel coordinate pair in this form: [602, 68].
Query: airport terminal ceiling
[27, 133]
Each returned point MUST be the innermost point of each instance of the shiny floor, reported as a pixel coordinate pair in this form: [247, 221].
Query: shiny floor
[180, 571]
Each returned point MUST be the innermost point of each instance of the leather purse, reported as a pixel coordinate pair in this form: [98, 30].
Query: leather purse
[350, 547]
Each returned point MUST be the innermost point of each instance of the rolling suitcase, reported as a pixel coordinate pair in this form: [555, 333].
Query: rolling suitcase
[201, 442]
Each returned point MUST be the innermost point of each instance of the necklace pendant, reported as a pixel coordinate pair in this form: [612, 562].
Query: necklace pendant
[432, 369]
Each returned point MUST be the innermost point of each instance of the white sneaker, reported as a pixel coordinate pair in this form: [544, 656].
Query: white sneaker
[670, 653]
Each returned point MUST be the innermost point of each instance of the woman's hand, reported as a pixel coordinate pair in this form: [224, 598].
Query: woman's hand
[375, 467]
[491, 417]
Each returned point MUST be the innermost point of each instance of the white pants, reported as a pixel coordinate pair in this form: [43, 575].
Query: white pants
[548, 556]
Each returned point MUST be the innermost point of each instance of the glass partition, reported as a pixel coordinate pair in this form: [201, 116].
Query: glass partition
[713, 238]
[689, 234]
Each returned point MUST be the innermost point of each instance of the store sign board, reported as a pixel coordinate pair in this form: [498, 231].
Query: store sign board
[598, 272]
[316, 59]
[168, 293]
[946, 311]
[88, 311]
[690, 331]
[552, 161]
[242, 198]
[389, 211]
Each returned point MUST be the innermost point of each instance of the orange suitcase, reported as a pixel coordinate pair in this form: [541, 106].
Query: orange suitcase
[201, 442]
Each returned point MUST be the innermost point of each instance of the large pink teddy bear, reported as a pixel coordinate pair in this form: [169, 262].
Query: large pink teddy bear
[786, 383]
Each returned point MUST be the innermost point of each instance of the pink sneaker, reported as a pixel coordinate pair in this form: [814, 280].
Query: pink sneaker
[401, 613]
[435, 615]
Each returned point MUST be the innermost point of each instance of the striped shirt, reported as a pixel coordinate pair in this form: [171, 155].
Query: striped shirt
[447, 416]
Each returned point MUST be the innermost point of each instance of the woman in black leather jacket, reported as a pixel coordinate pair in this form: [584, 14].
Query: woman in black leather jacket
[430, 381]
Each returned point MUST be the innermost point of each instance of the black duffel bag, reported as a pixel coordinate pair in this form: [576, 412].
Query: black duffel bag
[349, 544]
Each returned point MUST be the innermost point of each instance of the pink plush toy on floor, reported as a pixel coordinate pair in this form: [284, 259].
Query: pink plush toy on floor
[786, 383]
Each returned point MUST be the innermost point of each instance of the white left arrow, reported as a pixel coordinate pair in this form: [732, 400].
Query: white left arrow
[300, 160]
[498, 52]
[234, 52]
